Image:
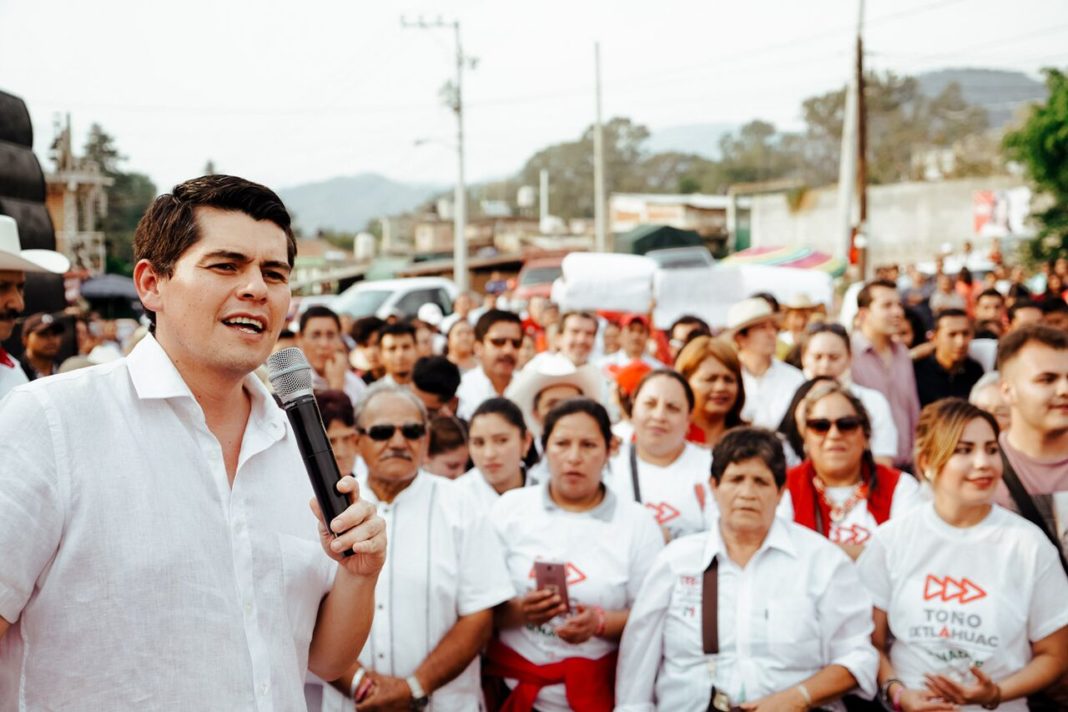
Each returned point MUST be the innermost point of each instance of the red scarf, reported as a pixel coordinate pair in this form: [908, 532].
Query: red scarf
[589, 684]
[5, 359]
[805, 499]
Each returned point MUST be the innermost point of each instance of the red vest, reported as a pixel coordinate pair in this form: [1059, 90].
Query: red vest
[807, 501]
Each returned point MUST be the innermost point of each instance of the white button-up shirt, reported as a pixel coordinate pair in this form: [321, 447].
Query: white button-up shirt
[443, 562]
[11, 376]
[137, 576]
[606, 550]
[767, 397]
[796, 607]
[475, 388]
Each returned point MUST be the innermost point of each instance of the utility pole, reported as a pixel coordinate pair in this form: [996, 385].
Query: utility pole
[847, 166]
[601, 235]
[861, 240]
[543, 199]
[454, 98]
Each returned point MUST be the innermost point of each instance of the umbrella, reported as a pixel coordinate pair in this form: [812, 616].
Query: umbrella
[109, 286]
[799, 257]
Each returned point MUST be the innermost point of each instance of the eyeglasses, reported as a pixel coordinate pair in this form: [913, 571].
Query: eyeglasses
[381, 433]
[822, 426]
[499, 342]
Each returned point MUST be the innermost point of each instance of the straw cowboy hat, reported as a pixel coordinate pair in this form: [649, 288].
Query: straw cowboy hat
[748, 312]
[548, 371]
[13, 257]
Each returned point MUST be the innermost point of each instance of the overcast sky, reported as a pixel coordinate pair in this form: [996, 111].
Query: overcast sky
[287, 92]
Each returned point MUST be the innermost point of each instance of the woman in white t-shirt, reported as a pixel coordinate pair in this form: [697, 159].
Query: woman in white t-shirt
[498, 437]
[556, 650]
[839, 490]
[969, 597]
[659, 468]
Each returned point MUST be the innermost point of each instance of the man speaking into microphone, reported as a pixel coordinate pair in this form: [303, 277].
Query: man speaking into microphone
[158, 550]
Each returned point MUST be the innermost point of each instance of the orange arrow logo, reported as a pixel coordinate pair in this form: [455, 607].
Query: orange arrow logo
[947, 588]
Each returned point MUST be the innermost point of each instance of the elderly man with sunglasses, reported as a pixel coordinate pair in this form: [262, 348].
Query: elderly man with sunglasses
[444, 573]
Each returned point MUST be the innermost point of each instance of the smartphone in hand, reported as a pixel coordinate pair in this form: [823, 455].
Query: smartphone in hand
[552, 576]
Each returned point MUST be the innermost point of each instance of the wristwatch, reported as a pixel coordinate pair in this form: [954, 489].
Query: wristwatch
[420, 700]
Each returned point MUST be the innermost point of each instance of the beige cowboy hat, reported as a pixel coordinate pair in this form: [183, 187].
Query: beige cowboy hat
[800, 302]
[748, 312]
[548, 371]
[13, 257]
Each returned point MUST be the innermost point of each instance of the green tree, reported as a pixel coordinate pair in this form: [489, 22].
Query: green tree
[1041, 146]
[128, 197]
[570, 165]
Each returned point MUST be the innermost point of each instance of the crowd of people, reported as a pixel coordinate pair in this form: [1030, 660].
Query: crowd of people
[911, 448]
[582, 511]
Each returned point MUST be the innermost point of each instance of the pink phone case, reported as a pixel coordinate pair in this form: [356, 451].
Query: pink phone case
[553, 577]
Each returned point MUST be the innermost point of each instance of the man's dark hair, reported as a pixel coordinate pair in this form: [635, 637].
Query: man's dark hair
[286, 334]
[578, 405]
[365, 329]
[447, 433]
[690, 319]
[745, 443]
[1013, 342]
[495, 316]
[990, 292]
[864, 296]
[948, 313]
[1022, 303]
[1054, 306]
[987, 329]
[335, 405]
[579, 314]
[397, 328]
[169, 226]
[437, 375]
[316, 312]
[769, 298]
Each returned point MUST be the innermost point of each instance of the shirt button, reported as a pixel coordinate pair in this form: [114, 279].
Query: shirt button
[265, 688]
[239, 526]
[381, 656]
[248, 607]
[381, 607]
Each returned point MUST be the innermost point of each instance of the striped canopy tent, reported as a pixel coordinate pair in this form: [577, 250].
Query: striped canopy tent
[797, 257]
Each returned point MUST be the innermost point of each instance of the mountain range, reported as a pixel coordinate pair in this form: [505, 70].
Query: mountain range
[347, 203]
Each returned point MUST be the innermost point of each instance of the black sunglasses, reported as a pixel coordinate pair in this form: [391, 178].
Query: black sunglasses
[381, 433]
[499, 342]
[822, 426]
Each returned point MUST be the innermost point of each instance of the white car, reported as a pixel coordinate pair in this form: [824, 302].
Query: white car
[401, 297]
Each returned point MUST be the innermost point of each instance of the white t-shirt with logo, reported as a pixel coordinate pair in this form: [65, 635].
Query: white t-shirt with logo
[857, 526]
[607, 551]
[678, 496]
[960, 597]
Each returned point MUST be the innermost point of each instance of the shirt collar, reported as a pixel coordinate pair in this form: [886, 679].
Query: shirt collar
[778, 537]
[604, 511]
[154, 376]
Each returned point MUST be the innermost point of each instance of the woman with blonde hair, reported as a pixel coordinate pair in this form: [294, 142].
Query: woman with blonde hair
[969, 597]
[712, 369]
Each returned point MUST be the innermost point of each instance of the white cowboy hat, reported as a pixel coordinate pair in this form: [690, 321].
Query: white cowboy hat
[748, 312]
[547, 371]
[13, 257]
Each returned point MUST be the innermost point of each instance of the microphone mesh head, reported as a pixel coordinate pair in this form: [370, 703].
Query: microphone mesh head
[290, 373]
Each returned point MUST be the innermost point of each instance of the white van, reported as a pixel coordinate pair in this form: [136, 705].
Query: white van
[402, 297]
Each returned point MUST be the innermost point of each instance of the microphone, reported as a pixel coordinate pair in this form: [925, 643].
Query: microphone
[291, 375]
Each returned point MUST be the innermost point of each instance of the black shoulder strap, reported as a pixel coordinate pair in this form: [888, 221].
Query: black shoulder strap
[1025, 504]
[634, 472]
